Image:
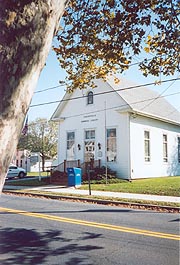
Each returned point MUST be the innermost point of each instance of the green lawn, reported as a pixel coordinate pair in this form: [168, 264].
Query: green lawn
[36, 174]
[27, 182]
[169, 186]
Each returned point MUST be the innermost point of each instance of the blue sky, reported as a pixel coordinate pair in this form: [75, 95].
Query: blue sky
[52, 73]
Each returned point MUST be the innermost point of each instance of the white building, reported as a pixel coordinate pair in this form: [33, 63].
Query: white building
[136, 129]
[21, 159]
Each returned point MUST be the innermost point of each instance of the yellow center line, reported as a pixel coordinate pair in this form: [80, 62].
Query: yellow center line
[94, 224]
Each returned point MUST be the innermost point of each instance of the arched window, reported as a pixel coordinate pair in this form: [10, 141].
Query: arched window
[90, 97]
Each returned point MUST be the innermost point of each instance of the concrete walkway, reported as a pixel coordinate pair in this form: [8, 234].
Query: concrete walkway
[76, 191]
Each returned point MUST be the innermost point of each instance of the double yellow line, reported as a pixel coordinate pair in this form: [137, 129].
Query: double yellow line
[94, 224]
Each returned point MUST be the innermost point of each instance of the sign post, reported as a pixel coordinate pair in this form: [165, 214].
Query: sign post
[39, 158]
[89, 178]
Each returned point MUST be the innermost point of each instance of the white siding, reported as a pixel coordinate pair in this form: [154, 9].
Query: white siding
[76, 115]
[122, 165]
[156, 167]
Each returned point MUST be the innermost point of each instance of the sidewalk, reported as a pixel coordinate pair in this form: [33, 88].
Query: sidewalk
[76, 191]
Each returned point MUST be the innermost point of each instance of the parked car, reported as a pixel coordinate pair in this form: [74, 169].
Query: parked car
[15, 171]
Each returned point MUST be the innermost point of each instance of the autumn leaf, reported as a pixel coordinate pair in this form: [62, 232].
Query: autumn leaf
[147, 49]
[99, 37]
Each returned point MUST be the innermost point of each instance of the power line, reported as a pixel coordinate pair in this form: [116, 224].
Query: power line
[54, 87]
[46, 89]
[102, 93]
[120, 106]
[173, 111]
[159, 95]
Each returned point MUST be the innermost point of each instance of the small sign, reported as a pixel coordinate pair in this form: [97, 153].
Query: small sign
[99, 153]
[34, 159]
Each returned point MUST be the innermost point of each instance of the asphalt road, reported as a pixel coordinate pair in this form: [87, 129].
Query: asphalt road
[42, 231]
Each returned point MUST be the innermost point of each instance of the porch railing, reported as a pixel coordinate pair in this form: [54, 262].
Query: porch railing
[65, 164]
[92, 164]
[76, 163]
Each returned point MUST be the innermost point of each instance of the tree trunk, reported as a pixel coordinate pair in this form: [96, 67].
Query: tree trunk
[27, 28]
[43, 162]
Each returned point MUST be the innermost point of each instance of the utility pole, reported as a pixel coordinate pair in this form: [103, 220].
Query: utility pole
[26, 152]
[42, 146]
[89, 178]
[105, 140]
[39, 159]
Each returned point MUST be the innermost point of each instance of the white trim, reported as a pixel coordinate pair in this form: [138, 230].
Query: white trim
[154, 117]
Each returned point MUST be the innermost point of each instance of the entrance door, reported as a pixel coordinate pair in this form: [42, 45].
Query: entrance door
[89, 145]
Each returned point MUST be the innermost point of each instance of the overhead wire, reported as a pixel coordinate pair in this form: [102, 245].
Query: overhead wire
[120, 106]
[103, 93]
[158, 95]
[54, 87]
[173, 111]
[46, 89]
[117, 107]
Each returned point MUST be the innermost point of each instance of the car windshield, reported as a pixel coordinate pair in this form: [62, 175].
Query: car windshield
[12, 167]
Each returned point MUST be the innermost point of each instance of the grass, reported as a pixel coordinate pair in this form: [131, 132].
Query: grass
[36, 174]
[168, 186]
[111, 200]
[28, 182]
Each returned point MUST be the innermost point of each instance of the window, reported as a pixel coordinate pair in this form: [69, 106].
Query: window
[90, 134]
[147, 146]
[89, 145]
[179, 149]
[165, 148]
[12, 167]
[90, 98]
[111, 145]
[70, 145]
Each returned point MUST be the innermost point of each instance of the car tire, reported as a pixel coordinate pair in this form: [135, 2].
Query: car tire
[21, 175]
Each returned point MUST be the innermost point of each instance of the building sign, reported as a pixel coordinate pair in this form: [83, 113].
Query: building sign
[89, 118]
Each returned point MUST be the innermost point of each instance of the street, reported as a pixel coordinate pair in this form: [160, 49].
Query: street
[44, 231]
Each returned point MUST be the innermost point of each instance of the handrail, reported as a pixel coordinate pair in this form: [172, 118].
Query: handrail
[65, 164]
[76, 163]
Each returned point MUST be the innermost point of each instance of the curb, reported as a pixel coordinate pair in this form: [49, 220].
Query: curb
[141, 206]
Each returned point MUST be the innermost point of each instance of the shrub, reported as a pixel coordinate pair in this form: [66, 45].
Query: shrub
[98, 176]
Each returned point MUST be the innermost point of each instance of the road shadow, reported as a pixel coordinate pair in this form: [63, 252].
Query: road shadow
[107, 210]
[26, 246]
[175, 220]
[89, 211]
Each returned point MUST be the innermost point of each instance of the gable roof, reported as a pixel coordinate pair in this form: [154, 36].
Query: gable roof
[144, 100]
[139, 99]
[57, 112]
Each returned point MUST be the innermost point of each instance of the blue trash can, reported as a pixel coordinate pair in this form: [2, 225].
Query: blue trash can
[74, 176]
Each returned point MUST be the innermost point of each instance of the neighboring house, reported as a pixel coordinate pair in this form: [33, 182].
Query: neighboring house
[130, 128]
[21, 159]
[37, 166]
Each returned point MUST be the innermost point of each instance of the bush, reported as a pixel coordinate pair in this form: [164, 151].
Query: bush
[98, 176]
